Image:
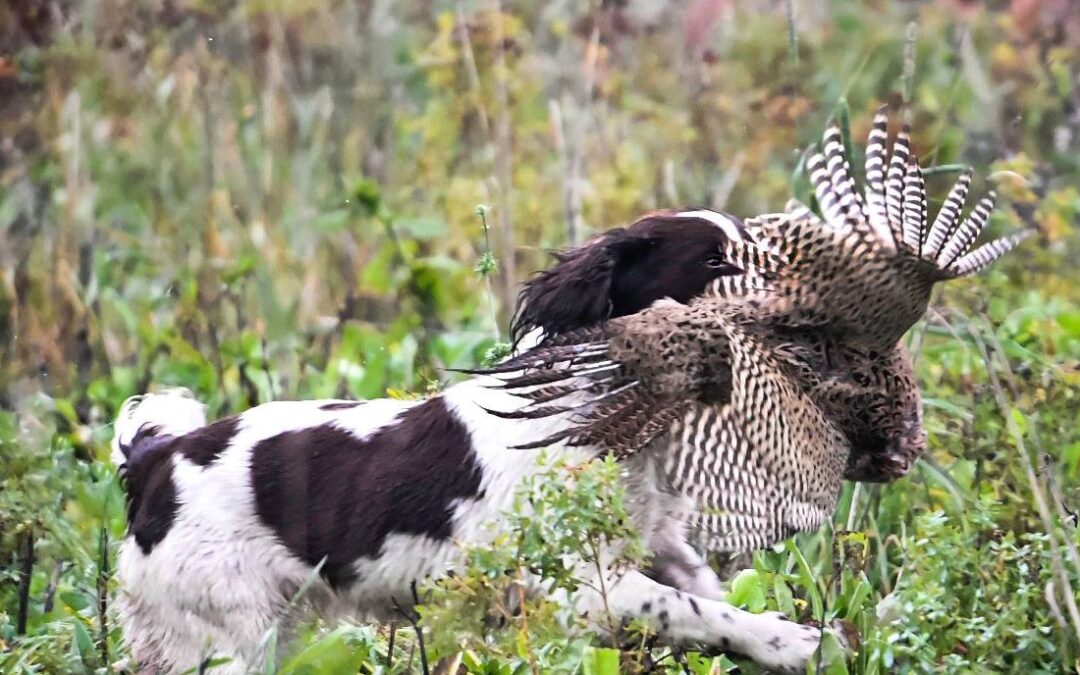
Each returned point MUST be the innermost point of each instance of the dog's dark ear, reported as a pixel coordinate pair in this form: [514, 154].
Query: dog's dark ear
[576, 292]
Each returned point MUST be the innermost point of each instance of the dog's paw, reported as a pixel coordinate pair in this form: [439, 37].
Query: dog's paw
[783, 646]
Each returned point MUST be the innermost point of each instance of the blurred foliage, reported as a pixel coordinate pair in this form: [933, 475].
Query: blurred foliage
[271, 199]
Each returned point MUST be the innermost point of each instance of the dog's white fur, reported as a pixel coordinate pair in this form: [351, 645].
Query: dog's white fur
[220, 579]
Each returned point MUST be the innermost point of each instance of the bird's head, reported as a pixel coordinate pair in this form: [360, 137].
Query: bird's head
[873, 398]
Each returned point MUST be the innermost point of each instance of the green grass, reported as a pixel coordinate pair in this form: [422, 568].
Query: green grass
[279, 200]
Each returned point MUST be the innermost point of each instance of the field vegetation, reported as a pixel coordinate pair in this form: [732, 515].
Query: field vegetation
[271, 199]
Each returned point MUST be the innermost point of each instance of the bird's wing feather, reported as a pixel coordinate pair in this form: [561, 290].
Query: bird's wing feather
[636, 381]
[760, 466]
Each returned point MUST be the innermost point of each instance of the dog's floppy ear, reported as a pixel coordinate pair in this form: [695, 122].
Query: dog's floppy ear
[576, 292]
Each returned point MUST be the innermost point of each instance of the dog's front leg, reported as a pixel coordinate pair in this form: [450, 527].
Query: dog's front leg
[770, 639]
[675, 563]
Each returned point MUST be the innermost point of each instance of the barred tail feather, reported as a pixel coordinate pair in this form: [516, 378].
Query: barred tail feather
[968, 231]
[875, 178]
[850, 201]
[948, 218]
[985, 255]
[914, 212]
[823, 189]
[894, 185]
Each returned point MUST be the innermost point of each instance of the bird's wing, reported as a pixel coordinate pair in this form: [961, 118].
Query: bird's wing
[635, 373]
[761, 466]
[860, 273]
[742, 440]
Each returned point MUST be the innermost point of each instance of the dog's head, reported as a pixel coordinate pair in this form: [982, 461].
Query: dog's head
[622, 271]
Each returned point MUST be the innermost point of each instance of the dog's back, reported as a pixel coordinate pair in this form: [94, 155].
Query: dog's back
[351, 500]
[228, 520]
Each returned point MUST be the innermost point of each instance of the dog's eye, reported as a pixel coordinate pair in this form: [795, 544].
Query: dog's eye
[717, 262]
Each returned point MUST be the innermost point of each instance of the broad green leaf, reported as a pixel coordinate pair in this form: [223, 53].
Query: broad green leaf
[601, 661]
[748, 591]
[334, 653]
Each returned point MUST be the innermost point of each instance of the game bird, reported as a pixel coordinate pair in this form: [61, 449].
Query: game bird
[765, 392]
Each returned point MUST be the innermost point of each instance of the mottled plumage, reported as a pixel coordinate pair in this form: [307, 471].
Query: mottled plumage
[757, 427]
[764, 393]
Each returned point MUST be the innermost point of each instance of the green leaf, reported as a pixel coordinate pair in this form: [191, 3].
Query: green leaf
[83, 642]
[943, 168]
[833, 655]
[748, 591]
[1071, 456]
[335, 653]
[806, 578]
[76, 599]
[1070, 322]
[1020, 419]
[367, 195]
[601, 661]
[785, 601]
[801, 187]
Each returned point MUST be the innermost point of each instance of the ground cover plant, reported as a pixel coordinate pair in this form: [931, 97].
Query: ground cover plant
[264, 200]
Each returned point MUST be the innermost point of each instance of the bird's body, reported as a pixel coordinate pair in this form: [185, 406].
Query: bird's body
[756, 426]
[762, 466]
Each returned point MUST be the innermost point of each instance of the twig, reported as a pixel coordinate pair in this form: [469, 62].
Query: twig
[504, 167]
[498, 143]
[266, 369]
[909, 59]
[525, 621]
[1064, 512]
[792, 35]
[571, 193]
[472, 72]
[671, 192]
[414, 621]
[577, 151]
[390, 646]
[603, 590]
[484, 268]
[1051, 602]
[975, 74]
[103, 594]
[26, 571]
[727, 182]
[419, 631]
[50, 589]
[852, 507]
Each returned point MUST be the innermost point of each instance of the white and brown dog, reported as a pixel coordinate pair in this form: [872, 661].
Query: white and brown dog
[228, 520]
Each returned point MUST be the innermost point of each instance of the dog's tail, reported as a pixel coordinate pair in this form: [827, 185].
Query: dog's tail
[145, 420]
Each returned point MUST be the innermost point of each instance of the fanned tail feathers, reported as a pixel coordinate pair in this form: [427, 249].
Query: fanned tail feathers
[894, 212]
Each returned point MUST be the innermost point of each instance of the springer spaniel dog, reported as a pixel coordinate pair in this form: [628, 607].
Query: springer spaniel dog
[228, 520]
